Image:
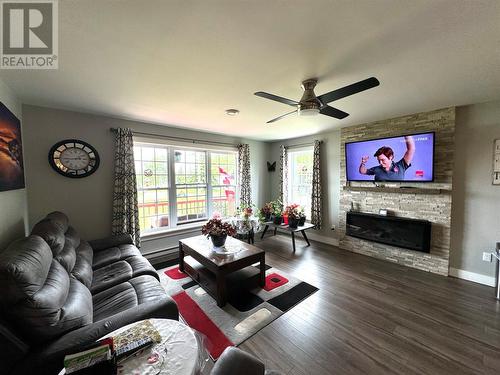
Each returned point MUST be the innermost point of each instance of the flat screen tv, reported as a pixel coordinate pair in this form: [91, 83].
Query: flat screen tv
[404, 158]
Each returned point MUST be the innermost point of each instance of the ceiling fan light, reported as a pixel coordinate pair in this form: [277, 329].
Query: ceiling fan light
[308, 112]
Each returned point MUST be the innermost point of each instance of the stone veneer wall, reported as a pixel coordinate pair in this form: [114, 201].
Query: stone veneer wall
[433, 207]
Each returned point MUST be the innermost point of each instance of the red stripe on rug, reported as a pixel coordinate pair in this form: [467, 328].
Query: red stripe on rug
[273, 281]
[196, 318]
[175, 274]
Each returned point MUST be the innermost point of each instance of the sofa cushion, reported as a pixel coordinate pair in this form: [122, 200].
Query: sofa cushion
[60, 218]
[24, 267]
[38, 295]
[52, 232]
[111, 275]
[141, 266]
[82, 270]
[136, 291]
[112, 254]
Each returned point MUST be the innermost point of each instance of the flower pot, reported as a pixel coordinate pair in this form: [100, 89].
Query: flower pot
[293, 222]
[218, 241]
[302, 221]
[277, 220]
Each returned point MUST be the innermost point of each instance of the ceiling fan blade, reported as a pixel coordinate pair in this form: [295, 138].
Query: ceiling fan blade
[280, 117]
[349, 90]
[276, 98]
[333, 112]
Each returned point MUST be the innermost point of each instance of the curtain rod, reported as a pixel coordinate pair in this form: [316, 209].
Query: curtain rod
[191, 140]
[302, 144]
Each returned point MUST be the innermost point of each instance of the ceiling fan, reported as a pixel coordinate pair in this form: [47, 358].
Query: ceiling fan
[310, 104]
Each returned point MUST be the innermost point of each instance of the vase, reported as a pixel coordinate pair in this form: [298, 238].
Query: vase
[277, 220]
[302, 221]
[218, 241]
[267, 217]
[293, 222]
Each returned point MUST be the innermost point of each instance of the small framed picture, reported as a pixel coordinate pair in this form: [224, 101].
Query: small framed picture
[382, 212]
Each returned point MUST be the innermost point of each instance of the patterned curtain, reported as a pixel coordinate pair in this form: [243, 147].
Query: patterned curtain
[244, 175]
[316, 187]
[283, 175]
[125, 211]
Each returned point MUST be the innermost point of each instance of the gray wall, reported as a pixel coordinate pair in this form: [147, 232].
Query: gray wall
[87, 201]
[13, 217]
[476, 202]
[330, 170]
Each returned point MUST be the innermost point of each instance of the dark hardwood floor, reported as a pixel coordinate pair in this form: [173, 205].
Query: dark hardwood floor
[375, 317]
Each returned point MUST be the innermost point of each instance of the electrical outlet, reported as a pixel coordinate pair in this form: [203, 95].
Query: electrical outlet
[487, 257]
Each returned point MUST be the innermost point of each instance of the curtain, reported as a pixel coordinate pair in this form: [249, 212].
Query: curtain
[125, 211]
[316, 187]
[283, 175]
[244, 175]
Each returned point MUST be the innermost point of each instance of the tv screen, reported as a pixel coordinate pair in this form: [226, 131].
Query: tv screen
[404, 158]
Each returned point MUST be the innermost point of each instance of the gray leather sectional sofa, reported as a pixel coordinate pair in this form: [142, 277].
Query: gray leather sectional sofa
[59, 293]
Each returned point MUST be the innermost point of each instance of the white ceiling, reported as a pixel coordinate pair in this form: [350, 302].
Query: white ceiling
[184, 62]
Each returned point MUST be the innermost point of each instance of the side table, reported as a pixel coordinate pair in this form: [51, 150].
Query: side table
[178, 351]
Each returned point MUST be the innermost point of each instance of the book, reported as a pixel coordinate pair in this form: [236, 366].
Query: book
[87, 358]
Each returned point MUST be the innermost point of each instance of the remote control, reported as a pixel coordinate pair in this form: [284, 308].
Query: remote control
[133, 347]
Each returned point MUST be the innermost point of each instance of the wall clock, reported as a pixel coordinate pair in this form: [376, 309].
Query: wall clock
[73, 158]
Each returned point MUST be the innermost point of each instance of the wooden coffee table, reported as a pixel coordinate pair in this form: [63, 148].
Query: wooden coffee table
[216, 268]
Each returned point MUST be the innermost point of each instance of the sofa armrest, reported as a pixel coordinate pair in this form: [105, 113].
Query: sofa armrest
[48, 359]
[113, 241]
[236, 361]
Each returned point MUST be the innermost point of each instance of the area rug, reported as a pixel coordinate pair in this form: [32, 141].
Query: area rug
[246, 312]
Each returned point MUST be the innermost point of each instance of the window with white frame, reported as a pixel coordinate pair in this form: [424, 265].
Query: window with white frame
[180, 185]
[300, 172]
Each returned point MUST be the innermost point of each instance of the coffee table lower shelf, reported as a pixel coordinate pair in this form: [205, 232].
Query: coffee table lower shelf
[247, 278]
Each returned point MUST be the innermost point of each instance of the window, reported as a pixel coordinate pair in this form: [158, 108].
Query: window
[178, 185]
[300, 172]
[223, 182]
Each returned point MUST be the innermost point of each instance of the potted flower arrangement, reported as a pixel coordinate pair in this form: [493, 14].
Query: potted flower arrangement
[218, 231]
[265, 212]
[302, 217]
[277, 208]
[293, 213]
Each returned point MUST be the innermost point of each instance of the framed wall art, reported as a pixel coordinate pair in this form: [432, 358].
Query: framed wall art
[11, 151]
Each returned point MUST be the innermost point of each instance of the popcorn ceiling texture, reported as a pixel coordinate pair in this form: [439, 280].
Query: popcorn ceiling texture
[433, 207]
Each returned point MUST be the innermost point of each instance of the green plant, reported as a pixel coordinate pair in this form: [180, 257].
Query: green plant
[277, 207]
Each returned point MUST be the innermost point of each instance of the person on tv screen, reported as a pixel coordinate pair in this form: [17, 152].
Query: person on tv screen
[388, 170]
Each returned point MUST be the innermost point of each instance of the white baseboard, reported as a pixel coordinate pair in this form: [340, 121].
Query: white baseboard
[472, 276]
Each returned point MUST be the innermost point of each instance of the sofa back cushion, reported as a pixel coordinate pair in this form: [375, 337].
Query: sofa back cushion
[37, 295]
[52, 232]
[68, 249]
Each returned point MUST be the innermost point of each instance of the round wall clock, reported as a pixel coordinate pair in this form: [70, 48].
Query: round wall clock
[74, 158]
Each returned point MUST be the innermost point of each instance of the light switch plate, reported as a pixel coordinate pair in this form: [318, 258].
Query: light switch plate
[496, 178]
[496, 163]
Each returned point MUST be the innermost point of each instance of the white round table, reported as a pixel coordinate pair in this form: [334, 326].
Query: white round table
[177, 352]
